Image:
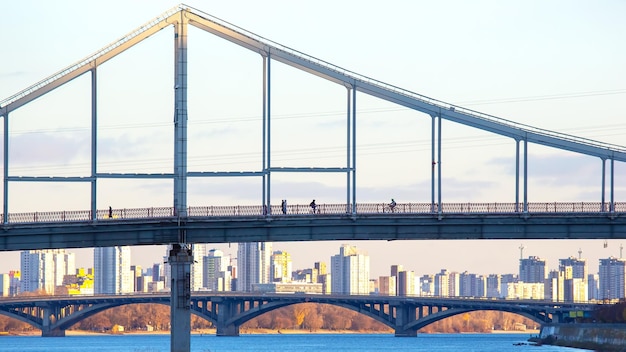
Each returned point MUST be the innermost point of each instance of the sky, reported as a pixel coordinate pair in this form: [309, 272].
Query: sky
[555, 65]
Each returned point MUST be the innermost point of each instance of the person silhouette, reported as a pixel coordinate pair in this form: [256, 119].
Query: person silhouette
[283, 206]
[313, 206]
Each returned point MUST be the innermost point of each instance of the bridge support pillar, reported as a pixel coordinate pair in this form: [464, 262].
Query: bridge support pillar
[405, 314]
[52, 333]
[180, 259]
[46, 330]
[226, 309]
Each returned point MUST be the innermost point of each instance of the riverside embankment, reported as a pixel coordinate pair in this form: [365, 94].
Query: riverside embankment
[598, 337]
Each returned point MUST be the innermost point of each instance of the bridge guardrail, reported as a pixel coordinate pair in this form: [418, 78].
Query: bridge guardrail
[322, 209]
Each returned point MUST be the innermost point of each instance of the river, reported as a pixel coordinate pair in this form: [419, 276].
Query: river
[278, 342]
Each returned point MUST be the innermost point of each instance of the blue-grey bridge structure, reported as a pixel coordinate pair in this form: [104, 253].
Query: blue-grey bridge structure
[228, 311]
[182, 226]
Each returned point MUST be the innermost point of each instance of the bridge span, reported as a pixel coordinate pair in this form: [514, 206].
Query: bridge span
[53, 315]
[226, 224]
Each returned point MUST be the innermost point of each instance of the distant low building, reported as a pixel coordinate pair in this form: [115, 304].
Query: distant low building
[288, 287]
[525, 290]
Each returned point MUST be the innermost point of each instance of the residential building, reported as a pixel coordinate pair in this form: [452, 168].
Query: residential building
[387, 285]
[612, 278]
[112, 273]
[494, 286]
[532, 270]
[44, 269]
[253, 262]
[281, 267]
[217, 277]
[406, 283]
[350, 271]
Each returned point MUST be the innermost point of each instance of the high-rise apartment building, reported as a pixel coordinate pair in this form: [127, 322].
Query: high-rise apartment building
[593, 287]
[15, 277]
[216, 274]
[612, 277]
[554, 288]
[395, 269]
[5, 285]
[350, 271]
[532, 270]
[136, 274]
[406, 283]
[387, 285]
[574, 272]
[578, 267]
[281, 267]
[472, 285]
[442, 283]
[494, 286]
[45, 269]
[427, 285]
[112, 273]
[454, 284]
[323, 276]
[253, 262]
[198, 251]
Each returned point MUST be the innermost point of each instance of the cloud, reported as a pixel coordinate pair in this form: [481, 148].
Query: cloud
[556, 169]
[46, 148]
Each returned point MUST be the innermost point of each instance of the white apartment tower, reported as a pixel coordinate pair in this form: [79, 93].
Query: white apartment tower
[350, 271]
[112, 273]
[45, 269]
[216, 274]
[253, 262]
[199, 251]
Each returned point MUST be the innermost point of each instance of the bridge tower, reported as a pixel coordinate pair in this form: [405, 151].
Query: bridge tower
[180, 255]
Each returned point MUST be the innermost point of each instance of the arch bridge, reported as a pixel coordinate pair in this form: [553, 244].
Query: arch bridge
[228, 311]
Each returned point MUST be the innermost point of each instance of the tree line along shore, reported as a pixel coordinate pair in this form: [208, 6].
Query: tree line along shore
[298, 318]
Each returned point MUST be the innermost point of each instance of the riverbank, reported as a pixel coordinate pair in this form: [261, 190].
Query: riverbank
[597, 337]
[245, 331]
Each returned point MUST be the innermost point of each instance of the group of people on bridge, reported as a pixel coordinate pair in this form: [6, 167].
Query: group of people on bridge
[315, 208]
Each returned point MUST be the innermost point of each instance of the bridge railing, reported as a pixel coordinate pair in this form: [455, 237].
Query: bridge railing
[321, 209]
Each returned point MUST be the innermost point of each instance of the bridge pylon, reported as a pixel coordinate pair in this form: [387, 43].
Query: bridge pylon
[226, 310]
[46, 324]
[180, 260]
[404, 314]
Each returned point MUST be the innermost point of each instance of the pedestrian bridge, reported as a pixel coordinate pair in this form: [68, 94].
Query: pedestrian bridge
[373, 221]
[228, 311]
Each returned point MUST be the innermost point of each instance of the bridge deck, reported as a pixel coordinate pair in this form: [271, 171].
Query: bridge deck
[150, 226]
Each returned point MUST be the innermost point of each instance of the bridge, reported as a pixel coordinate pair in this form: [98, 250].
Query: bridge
[228, 311]
[369, 221]
[182, 225]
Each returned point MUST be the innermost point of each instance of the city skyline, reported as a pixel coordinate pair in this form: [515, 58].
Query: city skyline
[264, 270]
[540, 75]
[383, 267]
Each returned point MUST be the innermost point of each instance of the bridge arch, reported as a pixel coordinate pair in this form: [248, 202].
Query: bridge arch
[537, 317]
[25, 318]
[228, 311]
[248, 315]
